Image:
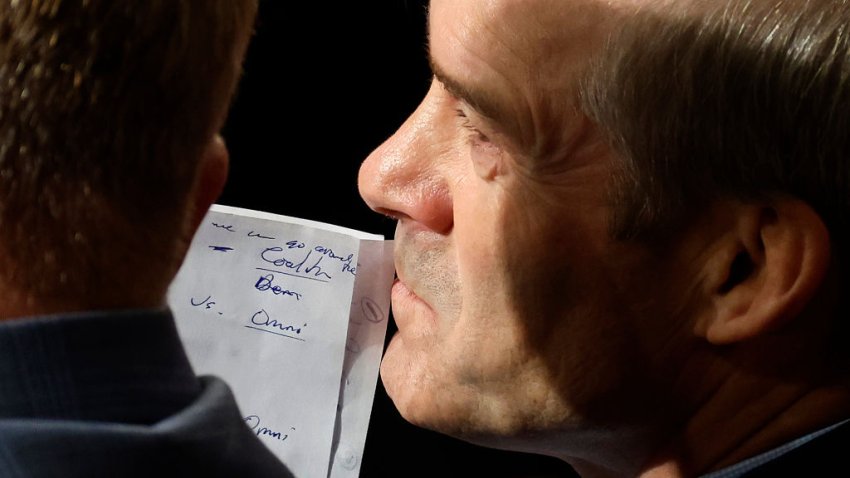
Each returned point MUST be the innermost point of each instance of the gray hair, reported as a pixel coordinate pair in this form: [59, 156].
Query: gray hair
[744, 99]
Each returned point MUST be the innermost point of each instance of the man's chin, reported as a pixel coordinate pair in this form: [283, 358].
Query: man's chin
[407, 384]
[394, 372]
[422, 396]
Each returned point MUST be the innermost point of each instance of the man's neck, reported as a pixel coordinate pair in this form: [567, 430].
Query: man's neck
[18, 303]
[747, 415]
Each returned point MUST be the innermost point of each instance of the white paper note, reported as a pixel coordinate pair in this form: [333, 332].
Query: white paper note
[366, 331]
[292, 315]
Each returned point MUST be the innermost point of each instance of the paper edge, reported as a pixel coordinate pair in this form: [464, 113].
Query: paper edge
[295, 220]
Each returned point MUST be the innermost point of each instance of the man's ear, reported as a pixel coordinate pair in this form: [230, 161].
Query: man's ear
[766, 269]
[209, 183]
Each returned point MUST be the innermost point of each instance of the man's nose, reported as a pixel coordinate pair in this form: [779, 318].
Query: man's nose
[403, 177]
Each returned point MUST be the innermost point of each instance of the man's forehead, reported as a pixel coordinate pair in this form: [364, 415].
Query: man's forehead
[520, 33]
[518, 55]
[534, 14]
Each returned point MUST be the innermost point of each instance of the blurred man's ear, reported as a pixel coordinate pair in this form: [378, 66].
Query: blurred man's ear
[765, 270]
[212, 175]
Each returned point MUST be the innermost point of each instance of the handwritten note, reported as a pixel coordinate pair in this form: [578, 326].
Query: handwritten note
[292, 314]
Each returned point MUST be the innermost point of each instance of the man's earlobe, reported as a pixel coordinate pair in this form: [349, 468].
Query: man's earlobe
[771, 266]
[210, 180]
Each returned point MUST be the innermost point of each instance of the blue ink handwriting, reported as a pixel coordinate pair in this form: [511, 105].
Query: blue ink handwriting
[207, 303]
[345, 260]
[309, 264]
[264, 283]
[315, 269]
[253, 422]
[258, 235]
[226, 227]
[261, 318]
[221, 248]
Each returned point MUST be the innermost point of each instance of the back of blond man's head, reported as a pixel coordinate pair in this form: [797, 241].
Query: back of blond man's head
[105, 110]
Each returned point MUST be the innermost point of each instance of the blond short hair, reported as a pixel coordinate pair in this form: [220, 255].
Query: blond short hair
[105, 108]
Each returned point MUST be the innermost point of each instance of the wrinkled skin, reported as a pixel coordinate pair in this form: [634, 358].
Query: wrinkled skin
[515, 307]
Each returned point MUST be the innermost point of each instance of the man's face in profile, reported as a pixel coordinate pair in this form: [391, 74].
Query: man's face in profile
[515, 308]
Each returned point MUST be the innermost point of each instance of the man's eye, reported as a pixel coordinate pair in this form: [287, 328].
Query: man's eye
[485, 154]
[475, 135]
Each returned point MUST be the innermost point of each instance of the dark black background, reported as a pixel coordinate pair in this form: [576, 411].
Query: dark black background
[343, 76]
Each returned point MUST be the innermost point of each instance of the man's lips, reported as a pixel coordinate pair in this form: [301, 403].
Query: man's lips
[401, 291]
[409, 308]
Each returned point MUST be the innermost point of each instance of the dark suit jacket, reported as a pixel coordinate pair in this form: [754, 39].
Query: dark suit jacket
[819, 454]
[113, 395]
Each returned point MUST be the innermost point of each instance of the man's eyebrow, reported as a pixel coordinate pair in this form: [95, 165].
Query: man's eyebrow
[481, 101]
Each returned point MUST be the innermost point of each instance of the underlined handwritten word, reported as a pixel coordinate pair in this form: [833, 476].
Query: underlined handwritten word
[302, 261]
[265, 283]
[262, 322]
[272, 255]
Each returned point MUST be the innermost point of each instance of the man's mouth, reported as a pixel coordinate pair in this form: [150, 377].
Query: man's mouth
[401, 290]
[409, 309]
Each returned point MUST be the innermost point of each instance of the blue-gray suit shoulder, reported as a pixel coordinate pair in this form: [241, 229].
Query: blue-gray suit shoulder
[113, 394]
